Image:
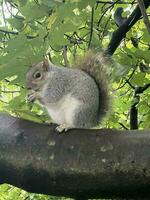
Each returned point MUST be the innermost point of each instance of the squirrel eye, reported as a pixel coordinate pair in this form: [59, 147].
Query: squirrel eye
[37, 75]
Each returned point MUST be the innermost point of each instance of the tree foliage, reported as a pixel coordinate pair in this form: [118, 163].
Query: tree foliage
[61, 30]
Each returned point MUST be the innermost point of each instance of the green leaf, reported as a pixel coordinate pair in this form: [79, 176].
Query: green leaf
[146, 37]
[84, 4]
[139, 79]
[33, 11]
[65, 11]
[17, 23]
[22, 2]
[143, 54]
[50, 3]
[146, 123]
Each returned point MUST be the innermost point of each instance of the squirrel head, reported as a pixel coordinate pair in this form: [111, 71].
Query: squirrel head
[37, 75]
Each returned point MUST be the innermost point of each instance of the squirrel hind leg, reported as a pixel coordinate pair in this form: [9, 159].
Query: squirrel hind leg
[63, 128]
[86, 117]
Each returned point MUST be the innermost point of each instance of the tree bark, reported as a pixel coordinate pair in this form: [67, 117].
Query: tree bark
[81, 163]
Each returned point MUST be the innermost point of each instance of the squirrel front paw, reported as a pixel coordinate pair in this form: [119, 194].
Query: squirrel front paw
[31, 97]
[63, 128]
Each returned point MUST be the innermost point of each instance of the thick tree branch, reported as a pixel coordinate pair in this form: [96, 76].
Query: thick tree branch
[120, 33]
[82, 163]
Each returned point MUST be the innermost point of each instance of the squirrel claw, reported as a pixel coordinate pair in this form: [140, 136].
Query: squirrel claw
[62, 128]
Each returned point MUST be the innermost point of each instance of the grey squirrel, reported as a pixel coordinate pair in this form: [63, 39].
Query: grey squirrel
[74, 97]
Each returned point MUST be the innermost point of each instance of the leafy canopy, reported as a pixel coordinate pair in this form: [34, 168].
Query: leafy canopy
[61, 30]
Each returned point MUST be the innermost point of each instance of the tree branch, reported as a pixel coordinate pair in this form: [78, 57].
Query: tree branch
[140, 90]
[134, 111]
[82, 163]
[134, 116]
[120, 33]
[145, 17]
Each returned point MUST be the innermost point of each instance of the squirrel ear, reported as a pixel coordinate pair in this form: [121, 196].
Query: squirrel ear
[45, 65]
[32, 65]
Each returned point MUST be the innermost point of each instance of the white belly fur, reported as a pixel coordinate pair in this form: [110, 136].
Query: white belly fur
[63, 111]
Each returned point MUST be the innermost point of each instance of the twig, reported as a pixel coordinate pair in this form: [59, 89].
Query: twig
[123, 126]
[122, 85]
[145, 17]
[91, 30]
[66, 62]
[120, 2]
[8, 81]
[9, 32]
[16, 33]
[105, 11]
[17, 91]
[4, 101]
[127, 81]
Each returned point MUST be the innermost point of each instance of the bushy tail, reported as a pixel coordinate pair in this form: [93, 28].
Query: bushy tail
[96, 65]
